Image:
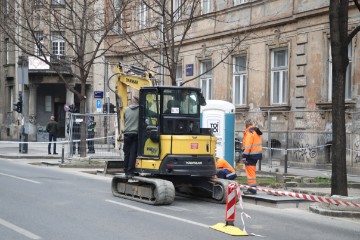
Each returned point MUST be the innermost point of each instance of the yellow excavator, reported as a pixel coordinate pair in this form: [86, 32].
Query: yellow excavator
[175, 155]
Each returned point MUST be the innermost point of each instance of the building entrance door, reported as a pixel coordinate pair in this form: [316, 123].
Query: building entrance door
[60, 116]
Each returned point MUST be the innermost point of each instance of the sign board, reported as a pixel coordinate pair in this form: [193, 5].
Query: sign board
[189, 69]
[98, 106]
[66, 107]
[37, 63]
[98, 94]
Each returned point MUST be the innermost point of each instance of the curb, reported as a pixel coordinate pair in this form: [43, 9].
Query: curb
[334, 213]
[30, 156]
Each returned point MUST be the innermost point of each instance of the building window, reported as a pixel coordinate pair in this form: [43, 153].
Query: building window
[205, 6]
[48, 104]
[239, 80]
[348, 80]
[39, 3]
[39, 37]
[177, 9]
[11, 99]
[57, 43]
[57, 2]
[238, 2]
[279, 76]
[7, 51]
[206, 79]
[143, 11]
[178, 74]
[117, 11]
[6, 6]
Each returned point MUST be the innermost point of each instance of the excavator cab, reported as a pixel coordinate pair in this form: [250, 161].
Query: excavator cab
[171, 115]
[167, 111]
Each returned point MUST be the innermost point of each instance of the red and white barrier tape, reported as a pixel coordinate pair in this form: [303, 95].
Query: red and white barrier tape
[305, 196]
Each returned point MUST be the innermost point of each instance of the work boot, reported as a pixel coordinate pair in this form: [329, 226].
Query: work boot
[247, 192]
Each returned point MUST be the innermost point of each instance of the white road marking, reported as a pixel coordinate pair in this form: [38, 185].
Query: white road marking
[159, 214]
[19, 230]
[177, 209]
[24, 179]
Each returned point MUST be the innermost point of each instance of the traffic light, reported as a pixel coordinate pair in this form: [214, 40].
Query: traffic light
[111, 108]
[18, 107]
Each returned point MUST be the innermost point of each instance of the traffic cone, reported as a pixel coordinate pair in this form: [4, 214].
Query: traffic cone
[228, 227]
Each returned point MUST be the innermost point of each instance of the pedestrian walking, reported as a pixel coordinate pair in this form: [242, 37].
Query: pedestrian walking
[252, 153]
[131, 122]
[224, 170]
[91, 134]
[52, 128]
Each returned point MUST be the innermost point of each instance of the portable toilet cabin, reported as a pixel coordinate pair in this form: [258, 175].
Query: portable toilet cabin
[219, 115]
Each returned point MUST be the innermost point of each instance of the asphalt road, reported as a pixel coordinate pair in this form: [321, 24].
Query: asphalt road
[38, 202]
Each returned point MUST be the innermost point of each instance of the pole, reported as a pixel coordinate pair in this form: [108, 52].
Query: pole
[62, 153]
[107, 97]
[162, 50]
[286, 152]
[269, 139]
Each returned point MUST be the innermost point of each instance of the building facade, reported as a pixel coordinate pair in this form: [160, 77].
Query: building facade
[40, 86]
[271, 59]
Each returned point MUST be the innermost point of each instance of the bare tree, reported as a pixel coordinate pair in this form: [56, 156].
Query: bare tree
[162, 39]
[80, 25]
[340, 39]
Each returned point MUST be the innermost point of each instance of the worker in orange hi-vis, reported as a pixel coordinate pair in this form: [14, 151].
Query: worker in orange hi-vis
[252, 152]
[224, 169]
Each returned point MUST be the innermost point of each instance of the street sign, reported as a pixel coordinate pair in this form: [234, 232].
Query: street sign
[66, 107]
[98, 106]
[98, 94]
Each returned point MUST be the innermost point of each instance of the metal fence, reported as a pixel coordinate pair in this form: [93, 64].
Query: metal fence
[302, 138]
[99, 144]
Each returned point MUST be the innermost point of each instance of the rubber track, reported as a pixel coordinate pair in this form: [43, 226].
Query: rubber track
[224, 183]
[162, 191]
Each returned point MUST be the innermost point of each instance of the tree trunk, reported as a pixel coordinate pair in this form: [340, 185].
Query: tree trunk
[338, 29]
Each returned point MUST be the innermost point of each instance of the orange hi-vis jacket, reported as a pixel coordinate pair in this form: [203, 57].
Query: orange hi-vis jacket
[252, 144]
[223, 164]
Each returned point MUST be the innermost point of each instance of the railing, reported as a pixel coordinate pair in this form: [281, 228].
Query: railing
[303, 138]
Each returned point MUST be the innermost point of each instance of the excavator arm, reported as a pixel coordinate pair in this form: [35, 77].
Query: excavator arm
[133, 77]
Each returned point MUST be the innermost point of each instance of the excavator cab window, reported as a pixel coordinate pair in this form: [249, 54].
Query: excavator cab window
[180, 101]
[149, 144]
[180, 111]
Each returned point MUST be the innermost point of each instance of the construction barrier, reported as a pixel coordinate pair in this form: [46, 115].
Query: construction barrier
[304, 196]
[233, 194]
[231, 204]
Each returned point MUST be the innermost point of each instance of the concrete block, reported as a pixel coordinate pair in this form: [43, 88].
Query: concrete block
[301, 60]
[302, 38]
[300, 81]
[300, 49]
[299, 92]
[291, 184]
[300, 71]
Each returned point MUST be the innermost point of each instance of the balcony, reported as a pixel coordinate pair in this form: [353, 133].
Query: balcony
[57, 64]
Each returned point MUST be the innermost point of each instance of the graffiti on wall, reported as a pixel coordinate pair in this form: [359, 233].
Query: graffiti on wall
[41, 134]
[32, 119]
[304, 152]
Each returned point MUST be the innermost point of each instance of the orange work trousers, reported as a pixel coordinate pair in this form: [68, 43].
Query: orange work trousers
[250, 175]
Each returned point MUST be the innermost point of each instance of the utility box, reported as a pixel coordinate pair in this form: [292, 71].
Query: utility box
[219, 115]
